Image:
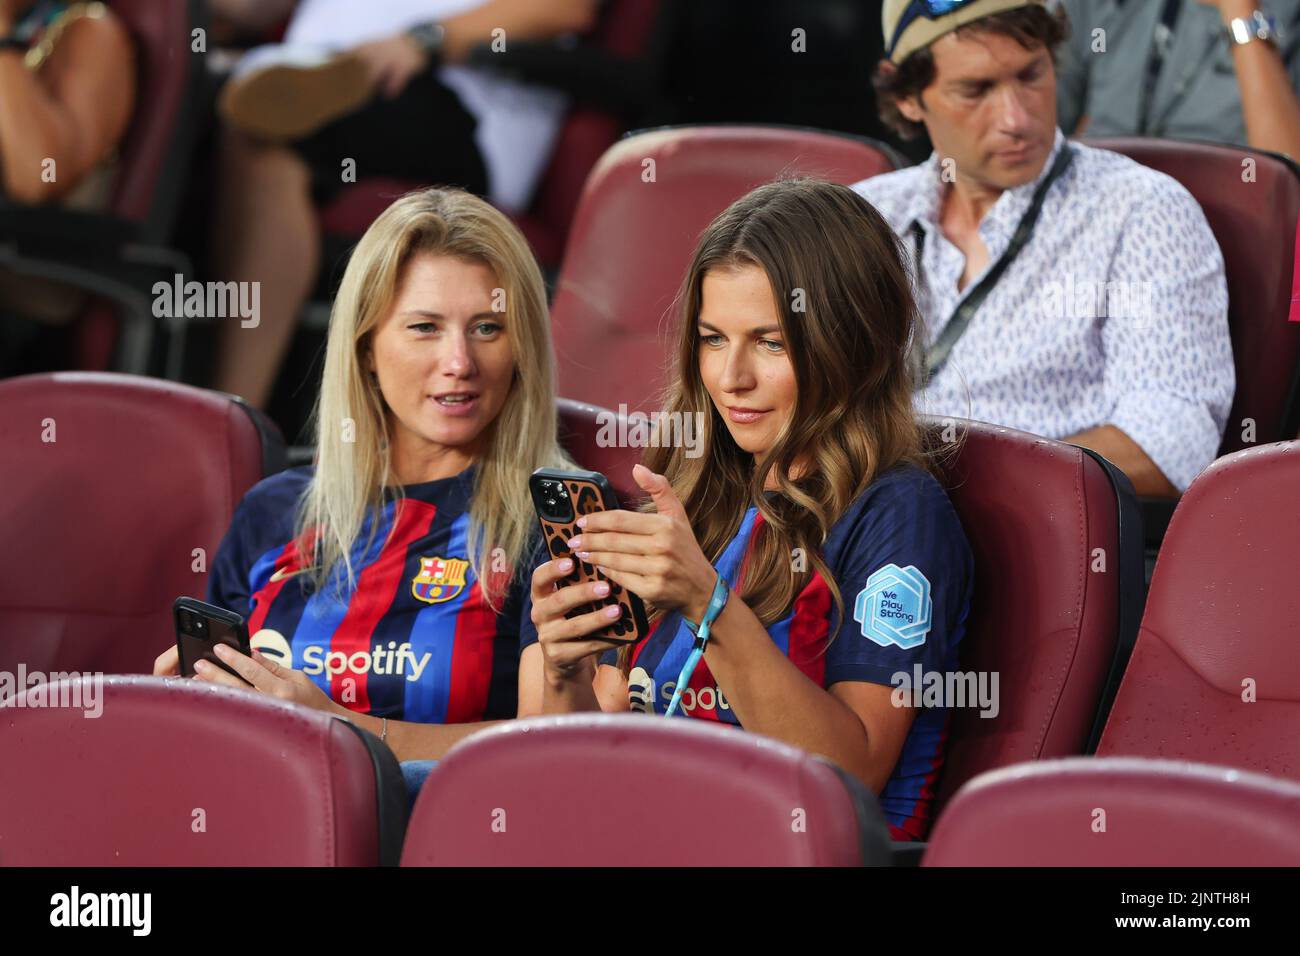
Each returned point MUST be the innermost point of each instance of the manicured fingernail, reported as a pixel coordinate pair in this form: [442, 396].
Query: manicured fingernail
[581, 522]
[613, 611]
[564, 564]
[584, 555]
[221, 650]
[201, 666]
[601, 588]
[575, 543]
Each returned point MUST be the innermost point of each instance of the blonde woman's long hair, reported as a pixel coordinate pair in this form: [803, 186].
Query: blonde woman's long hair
[353, 478]
[847, 317]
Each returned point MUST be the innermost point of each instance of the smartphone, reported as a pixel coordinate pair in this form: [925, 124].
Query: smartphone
[200, 626]
[561, 498]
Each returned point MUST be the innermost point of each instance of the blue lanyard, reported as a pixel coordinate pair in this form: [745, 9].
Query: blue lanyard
[701, 631]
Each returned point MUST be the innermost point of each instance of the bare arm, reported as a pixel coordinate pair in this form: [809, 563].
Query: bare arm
[73, 110]
[394, 60]
[1268, 100]
[416, 741]
[252, 14]
[520, 19]
[1126, 455]
[611, 689]
[854, 724]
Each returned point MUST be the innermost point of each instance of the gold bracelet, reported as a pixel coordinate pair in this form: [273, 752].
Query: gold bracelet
[38, 54]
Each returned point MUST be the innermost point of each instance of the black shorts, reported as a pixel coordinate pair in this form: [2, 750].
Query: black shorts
[424, 134]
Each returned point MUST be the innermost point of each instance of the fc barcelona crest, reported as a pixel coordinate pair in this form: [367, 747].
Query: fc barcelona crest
[440, 579]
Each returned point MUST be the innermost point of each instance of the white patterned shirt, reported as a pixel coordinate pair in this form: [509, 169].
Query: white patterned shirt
[1114, 312]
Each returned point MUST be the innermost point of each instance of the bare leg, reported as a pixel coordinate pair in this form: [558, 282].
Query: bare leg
[265, 232]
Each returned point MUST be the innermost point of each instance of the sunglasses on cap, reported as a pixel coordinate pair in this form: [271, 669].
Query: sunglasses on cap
[930, 9]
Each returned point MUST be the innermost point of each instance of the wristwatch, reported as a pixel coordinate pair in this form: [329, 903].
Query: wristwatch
[429, 38]
[1258, 26]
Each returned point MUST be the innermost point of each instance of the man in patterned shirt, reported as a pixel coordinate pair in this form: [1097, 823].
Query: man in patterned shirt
[1067, 291]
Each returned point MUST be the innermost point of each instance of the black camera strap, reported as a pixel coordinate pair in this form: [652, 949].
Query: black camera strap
[937, 354]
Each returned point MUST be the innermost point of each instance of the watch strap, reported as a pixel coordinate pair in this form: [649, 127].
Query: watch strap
[429, 37]
[1258, 26]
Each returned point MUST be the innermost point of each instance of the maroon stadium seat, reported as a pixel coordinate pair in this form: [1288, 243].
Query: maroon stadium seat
[1255, 223]
[580, 436]
[629, 790]
[160, 32]
[1221, 624]
[632, 241]
[1039, 514]
[278, 784]
[1154, 813]
[100, 524]
[625, 29]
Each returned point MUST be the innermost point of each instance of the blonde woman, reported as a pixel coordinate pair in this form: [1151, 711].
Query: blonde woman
[385, 583]
[810, 534]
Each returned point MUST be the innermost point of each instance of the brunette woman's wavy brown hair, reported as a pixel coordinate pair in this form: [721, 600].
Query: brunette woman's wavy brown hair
[824, 248]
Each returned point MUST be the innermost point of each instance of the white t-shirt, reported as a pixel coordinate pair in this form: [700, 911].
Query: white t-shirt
[517, 122]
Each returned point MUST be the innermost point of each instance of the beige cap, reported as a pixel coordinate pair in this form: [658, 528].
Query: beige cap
[923, 31]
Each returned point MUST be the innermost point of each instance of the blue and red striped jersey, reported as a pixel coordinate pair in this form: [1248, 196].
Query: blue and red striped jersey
[415, 640]
[904, 570]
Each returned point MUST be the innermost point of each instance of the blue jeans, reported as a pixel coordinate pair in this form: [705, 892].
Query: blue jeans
[415, 772]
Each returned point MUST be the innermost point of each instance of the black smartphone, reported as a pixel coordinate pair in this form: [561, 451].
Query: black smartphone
[200, 627]
[561, 498]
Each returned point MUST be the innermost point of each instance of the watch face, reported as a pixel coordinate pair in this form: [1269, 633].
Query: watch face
[429, 36]
[1258, 26]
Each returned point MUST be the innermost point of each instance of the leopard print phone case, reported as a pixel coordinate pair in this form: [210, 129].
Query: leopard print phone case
[561, 498]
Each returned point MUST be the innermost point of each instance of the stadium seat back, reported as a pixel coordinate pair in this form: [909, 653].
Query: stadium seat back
[1057, 596]
[629, 790]
[154, 152]
[117, 491]
[641, 214]
[153, 158]
[1252, 202]
[1215, 675]
[626, 29]
[178, 773]
[1119, 812]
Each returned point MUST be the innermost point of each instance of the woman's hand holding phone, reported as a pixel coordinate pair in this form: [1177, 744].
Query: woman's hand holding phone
[168, 663]
[257, 672]
[653, 555]
[264, 675]
[564, 641]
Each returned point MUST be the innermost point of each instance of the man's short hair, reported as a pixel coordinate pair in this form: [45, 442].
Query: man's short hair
[1030, 26]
